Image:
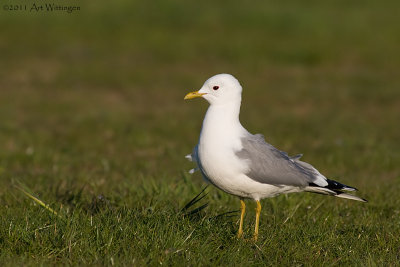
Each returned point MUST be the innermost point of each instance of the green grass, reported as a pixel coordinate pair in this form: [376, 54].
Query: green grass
[93, 123]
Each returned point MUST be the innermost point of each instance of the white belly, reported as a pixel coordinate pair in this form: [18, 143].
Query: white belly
[226, 171]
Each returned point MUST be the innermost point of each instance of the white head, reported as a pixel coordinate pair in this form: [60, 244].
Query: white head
[219, 89]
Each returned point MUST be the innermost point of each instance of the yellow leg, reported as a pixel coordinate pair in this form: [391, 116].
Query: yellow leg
[242, 210]
[258, 211]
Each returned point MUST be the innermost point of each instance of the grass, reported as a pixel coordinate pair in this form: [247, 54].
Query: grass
[93, 123]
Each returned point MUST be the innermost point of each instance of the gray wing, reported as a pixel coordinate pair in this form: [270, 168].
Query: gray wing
[269, 165]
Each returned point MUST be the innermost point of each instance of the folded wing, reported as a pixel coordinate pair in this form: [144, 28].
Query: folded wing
[268, 165]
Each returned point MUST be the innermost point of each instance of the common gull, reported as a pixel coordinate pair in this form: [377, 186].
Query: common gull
[243, 164]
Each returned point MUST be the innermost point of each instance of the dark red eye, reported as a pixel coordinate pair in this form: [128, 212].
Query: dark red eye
[215, 87]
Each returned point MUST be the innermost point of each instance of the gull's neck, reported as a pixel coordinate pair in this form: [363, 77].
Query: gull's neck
[222, 120]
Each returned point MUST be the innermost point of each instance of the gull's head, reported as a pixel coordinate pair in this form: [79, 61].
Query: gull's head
[219, 89]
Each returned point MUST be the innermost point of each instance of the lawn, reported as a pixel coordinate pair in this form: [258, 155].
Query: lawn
[93, 123]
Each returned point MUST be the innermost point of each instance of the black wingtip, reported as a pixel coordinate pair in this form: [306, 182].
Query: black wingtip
[339, 186]
[335, 185]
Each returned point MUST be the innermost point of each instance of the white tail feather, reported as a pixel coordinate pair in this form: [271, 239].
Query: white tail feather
[326, 191]
[347, 196]
[320, 190]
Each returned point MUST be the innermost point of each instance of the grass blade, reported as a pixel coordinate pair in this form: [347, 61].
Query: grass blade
[38, 201]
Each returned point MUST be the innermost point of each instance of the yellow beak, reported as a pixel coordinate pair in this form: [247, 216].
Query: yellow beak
[192, 95]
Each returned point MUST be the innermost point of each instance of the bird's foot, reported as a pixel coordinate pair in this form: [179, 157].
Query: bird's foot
[240, 234]
[254, 239]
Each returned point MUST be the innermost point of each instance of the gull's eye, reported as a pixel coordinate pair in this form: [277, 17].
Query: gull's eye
[216, 87]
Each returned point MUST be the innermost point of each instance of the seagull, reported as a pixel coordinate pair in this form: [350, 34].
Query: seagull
[245, 165]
